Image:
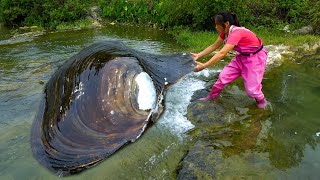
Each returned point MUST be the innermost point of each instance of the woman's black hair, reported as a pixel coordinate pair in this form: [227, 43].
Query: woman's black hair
[223, 17]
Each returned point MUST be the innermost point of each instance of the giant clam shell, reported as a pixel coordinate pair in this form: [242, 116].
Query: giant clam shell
[90, 107]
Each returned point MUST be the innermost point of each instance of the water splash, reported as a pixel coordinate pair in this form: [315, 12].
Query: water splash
[176, 102]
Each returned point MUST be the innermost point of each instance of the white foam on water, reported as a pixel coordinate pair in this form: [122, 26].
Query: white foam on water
[179, 95]
[156, 158]
[147, 92]
[204, 72]
[207, 72]
[177, 99]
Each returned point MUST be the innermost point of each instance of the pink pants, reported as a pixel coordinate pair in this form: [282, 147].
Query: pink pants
[250, 68]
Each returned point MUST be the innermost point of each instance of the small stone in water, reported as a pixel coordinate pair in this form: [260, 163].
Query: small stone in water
[318, 134]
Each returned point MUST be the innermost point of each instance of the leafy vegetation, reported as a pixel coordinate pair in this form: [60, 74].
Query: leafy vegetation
[44, 13]
[190, 21]
[196, 14]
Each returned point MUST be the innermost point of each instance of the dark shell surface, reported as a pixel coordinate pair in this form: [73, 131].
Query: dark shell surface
[89, 108]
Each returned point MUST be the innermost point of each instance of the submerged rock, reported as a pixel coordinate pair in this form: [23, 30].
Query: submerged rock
[223, 127]
[200, 162]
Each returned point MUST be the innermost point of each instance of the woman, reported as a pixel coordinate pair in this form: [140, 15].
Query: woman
[249, 62]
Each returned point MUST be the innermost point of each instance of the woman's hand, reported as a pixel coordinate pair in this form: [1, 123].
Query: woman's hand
[199, 66]
[195, 56]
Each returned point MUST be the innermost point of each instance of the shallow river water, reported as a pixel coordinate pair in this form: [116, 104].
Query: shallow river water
[290, 138]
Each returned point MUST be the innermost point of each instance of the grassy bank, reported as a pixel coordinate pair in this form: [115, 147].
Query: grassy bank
[195, 14]
[197, 41]
[189, 21]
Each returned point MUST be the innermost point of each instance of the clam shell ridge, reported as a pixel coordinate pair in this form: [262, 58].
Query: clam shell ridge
[89, 107]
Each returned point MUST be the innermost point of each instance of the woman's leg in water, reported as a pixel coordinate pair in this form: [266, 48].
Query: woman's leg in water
[229, 73]
[252, 74]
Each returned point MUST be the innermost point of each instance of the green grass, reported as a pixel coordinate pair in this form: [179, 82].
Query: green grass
[276, 37]
[197, 41]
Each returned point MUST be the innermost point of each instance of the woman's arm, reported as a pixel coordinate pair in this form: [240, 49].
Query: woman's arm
[217, 57]
[209, 49]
